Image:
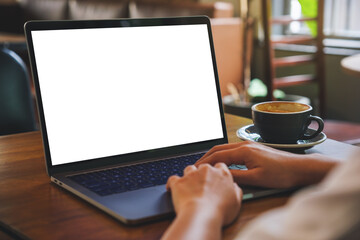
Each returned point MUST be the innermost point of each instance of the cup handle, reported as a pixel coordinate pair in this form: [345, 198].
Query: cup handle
[318, 131]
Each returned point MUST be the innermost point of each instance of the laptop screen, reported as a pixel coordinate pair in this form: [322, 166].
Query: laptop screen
[111, 91]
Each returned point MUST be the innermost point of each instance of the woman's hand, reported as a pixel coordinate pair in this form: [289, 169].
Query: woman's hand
[210, 187]
[205, 199]
[269, 167]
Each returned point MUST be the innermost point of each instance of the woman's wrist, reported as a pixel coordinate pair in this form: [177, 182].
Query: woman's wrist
[310, 169]
[196, 220]
[204, 211]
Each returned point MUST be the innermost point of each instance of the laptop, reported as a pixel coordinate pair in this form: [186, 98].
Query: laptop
[124, 104]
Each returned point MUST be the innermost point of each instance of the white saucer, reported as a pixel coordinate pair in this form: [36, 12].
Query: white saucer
[249, 133]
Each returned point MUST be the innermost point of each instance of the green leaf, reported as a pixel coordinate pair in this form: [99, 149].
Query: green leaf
[257, 91]
[257, 88]
[309, 9]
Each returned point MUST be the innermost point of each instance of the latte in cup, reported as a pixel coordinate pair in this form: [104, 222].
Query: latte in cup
[282, 107]
[284, 122]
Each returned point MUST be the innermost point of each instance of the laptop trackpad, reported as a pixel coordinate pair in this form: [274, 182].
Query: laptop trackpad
[142, 204]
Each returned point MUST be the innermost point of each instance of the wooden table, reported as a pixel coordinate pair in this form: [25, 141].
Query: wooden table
[16, 42]
[33, 208]
[351, 65]
[11, 38]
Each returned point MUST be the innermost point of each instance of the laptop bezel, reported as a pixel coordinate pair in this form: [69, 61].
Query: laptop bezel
[131, 157]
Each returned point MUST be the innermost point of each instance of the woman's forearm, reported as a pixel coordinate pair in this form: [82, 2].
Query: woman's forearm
[195, 222]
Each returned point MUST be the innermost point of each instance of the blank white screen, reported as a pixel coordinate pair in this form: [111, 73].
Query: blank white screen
[112, 91]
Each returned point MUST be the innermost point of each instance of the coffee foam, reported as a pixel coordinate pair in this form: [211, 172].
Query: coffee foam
[282, 107]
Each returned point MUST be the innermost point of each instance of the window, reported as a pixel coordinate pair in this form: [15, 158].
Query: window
[341, 18]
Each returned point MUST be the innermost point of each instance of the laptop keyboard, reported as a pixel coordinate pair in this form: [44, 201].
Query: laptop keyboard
[129, 178]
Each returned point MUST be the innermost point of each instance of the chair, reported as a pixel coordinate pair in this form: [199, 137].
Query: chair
[273, 63]
[16, 106]
[339, 130]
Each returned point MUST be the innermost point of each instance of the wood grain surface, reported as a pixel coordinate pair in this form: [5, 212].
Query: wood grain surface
[32, 207]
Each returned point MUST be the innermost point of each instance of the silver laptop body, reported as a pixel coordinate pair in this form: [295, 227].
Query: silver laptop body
[124, 92]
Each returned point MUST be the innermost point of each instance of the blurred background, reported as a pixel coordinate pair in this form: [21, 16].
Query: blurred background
[253, 42]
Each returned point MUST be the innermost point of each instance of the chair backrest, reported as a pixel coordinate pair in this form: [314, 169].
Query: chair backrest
[16, 106]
